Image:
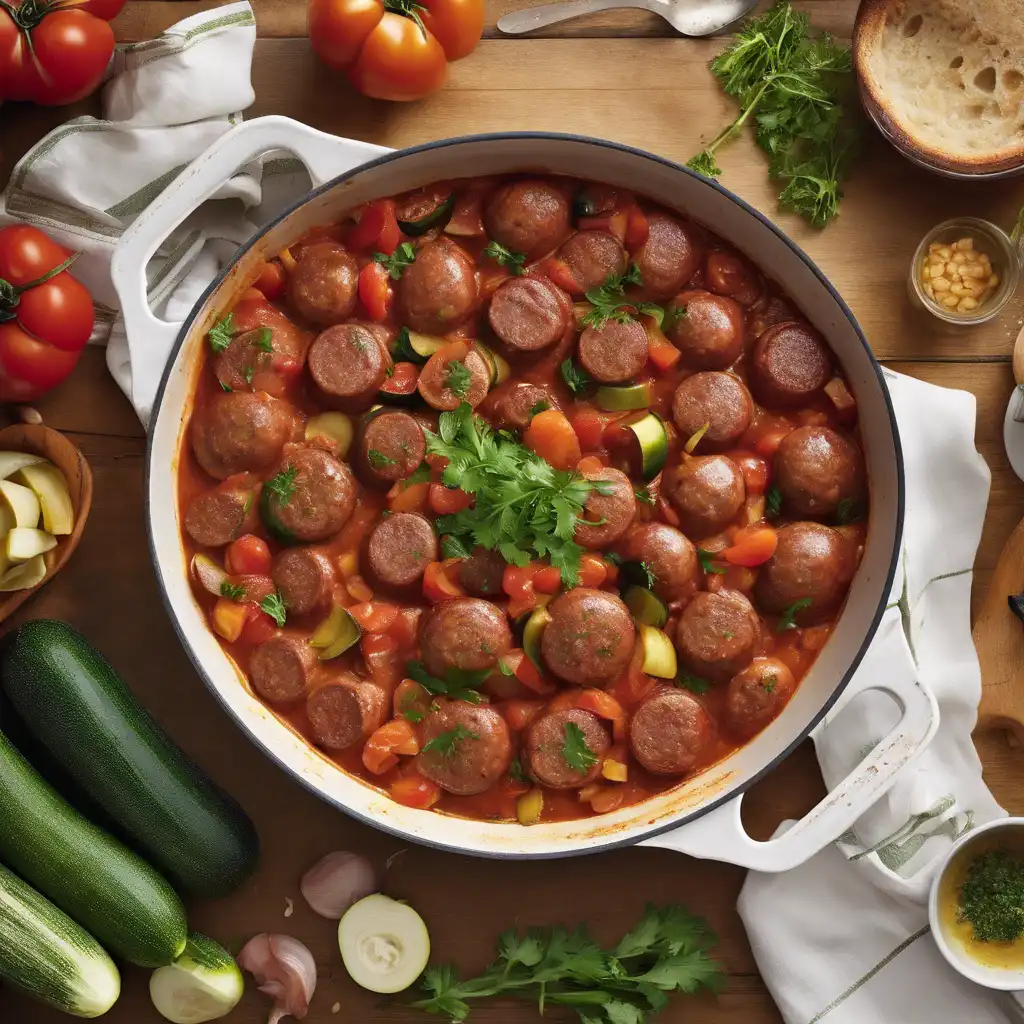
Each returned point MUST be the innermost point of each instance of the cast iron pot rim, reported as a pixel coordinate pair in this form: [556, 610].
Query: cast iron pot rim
[635, 835]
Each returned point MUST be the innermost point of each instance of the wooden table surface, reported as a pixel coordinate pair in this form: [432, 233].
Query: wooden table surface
[624, 77]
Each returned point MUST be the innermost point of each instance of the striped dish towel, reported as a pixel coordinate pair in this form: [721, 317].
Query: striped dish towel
[844, 939]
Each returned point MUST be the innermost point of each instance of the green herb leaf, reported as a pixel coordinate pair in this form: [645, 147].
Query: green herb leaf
[704, 163]
[576, 378]
[539, 407]
[282, 486]
[395, 264]
[515, 771]
[643, 495]
[232, 591]
[692, 683]
[457, 686]
[707, 562]
[446, 743]
[264, 339]
[849, 510]
[248, 373]
[769, 683]
[992, 896]
[788, 618]
[458, 378]
[379, 460]
[410, 709]
[221, 333]
[609, 301]
[273, 605]
[578, 756]
[513, 260]
[452, 547]
[224, 387]
[773, 503]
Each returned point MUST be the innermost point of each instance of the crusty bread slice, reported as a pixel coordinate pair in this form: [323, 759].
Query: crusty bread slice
[948, 77]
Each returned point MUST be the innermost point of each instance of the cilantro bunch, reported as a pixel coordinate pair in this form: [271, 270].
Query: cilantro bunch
[666, 952]
[791, 86]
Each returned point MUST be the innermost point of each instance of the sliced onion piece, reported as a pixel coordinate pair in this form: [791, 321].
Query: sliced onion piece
[203, 984]
[384, 944]
[337, 881]
[285, 969]
[210, 575]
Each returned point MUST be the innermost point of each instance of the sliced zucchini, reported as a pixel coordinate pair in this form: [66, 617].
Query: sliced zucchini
[11, 462]
[532, 632]
[650, 433]
[203, 984]
[52, 491]
[335, 425]
[490, 359]
[24, 576]
[336, 634]
[21, 502]
[624, 398]
[414, 347]
[384, 944]
[424, 211]
[659, 654]
[645, 606]
[24, 542]
[210, 575]
[398, 391]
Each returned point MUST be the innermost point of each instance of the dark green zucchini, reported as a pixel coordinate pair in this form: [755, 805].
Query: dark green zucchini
[422, 211]
[75, 704]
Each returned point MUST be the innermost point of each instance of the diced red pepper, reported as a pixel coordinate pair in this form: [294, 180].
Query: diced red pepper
[755, 470]
[259, 626]
[520, 713]
[394, 737]
[377, 230]
[406, 627]
[614, 223]
[439, 581]
[445, 501]
[593, 570]
[375, 292]
[374, 616]
[768, 443]
[557, 270]
[753, 545]
[408, 497]
[548, 580]
[604, 705]
[402, 381]
[271, 280]
[637, 228]
[661, 352]
[415, 791]
[589, 426]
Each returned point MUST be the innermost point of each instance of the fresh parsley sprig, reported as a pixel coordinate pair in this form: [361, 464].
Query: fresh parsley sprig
[788, 618]
[282, 485]
[707, 562]
[666, 952]
[395, 264]
[445, 744]
[457, 684]
[576, 751]
[609, 302]
[274, 606]
[577, 380]
[221, 333]
[505, 257]
[458, 378]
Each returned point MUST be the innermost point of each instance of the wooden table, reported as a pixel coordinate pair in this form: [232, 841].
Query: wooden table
[624, 77]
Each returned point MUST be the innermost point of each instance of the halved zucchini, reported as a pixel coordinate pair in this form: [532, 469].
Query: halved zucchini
[51, 489]
[659, 654]
[425, 210]
[335, 425]
[414, 347]
[624, 398]
[336, 634]
[532, 632]
[645, 606]
[651, 434]
[24, 542]
[203, 984]
[21, 502]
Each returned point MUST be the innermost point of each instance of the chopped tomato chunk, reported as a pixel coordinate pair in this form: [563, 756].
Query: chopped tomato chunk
[377, 230]
[248, 556]
[753, 545]
[768, 443]
[259, 626]
[439, 581]
[589, 427]
[395, 737]
[271, 280]
[593, 570]
[374, 616]
[375, 292]
[548, 580]
[520, 713]
[446, 501]
[551, 436]
[415, 791]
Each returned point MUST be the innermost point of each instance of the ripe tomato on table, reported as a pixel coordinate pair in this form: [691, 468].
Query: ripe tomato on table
[394, 49]
[54, 51]
[46, 315]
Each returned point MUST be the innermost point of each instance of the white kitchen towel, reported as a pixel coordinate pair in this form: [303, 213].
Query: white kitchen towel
[844, 939]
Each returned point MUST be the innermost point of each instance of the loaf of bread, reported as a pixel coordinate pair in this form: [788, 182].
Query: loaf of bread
[946, 78]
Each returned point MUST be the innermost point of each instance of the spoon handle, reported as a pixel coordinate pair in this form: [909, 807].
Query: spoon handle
[549, 14]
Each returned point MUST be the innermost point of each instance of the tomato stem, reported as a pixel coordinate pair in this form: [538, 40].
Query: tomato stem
[10, 294]
[407, 9]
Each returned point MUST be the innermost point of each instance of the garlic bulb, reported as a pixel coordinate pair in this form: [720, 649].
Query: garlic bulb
[284, 969]
[337, 881]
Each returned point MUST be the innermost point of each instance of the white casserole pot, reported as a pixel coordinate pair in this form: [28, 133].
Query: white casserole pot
[702, 815]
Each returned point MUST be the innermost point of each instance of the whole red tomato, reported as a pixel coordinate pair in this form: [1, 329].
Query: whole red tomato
[46, 315]
[395, 49]
[54, 51]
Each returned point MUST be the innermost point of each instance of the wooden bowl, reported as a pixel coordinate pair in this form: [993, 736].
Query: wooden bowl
[40, 440]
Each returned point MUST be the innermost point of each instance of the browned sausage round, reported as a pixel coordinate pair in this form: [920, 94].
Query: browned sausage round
[708, 330]
[280, 668]
[243, 365]
[613, 353]
[348, 363]
[314, 495]
[717, 634]
[775, 311]
[529, 217]
[391, 447]
[728, 274]
[511, 405]
[757, 695]
[544, 755]
[453, 375]
[671, 733]
[591, 258]
[718, 399]
[345, 710]
[791, 364]
[811, 562]
[669, 257]
[816, 469]
[241, 432]
[611, 513]
[322, 287]
[669, 555]
[708, 492]
[399, 549]
[590, 637]
[481, 574]
[439, 290]
[217, 517]
[304, 576]
[466, 634]
[466, 748]
[529, 313]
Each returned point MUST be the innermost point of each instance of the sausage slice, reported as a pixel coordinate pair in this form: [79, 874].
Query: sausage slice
[391, 447]
[466, 634]
[511, 405]
[314, 495]
[529, 217]
[725, 273]
[669, 257]
[790, 365]
[590, 637]
[717, 634]
[399, 549]
[217, 517]
[345, 710]
[529, 313]
[472, 748]
[610, 513]
[671, 733]
[304, 577]
[757, 695]
[708, 492]
[708, 329]
[592, 257]
[280, 668]
[544, 755]
[322, 287]
[481, 574]
[453, 375]
[817, 468]
[348, 363]
[438, 291]
[718, 399]
[669, 555]
[615, 352]
[241, 432]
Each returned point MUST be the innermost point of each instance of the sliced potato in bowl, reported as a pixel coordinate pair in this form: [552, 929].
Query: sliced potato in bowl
[22, 577]
[50, 487]
[24, 543]
[21, 502]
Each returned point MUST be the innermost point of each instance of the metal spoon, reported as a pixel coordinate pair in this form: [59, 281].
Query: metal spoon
[1013, 424]
[687, 17]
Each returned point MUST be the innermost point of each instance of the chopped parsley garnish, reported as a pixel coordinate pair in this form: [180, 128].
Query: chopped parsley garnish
[232, 591]
[639, 573]
[505, 257]
[282, 486]
[540, 407]
[515, 771]
[577, 380]
[707, 562]
[692, 683]
[379, 460]
[457, 685]
[788, 618]
[504, 669]
[849, 510]
[992, 896]
[769, 683]
[773, 503]
[452, 547]
[524, 508]
[578, 756]
[411, 710]
[273, 605]
[643, 495]
[446, 743]
[395, 264]
[420, 475]
[223, 386]
[609, 301]
[248, 373]
[457, 378]
[390, 371]
[221, 333]
[264, 339]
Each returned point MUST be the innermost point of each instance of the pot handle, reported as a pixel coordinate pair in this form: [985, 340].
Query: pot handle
[325, 156]
[720, 835]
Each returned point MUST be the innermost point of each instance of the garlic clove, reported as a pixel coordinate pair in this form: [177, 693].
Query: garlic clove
[337, 881]
[284, 969]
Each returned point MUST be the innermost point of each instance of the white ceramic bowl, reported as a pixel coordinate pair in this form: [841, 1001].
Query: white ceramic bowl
[349, 174]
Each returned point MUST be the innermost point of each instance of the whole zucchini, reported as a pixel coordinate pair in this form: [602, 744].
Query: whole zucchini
[109, 890]
[73, 702]
[49, 957]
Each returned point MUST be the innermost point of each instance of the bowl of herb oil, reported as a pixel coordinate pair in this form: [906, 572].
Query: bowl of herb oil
[976, 907]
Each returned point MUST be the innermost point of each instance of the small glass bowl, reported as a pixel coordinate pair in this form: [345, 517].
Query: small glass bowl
[988, 238]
